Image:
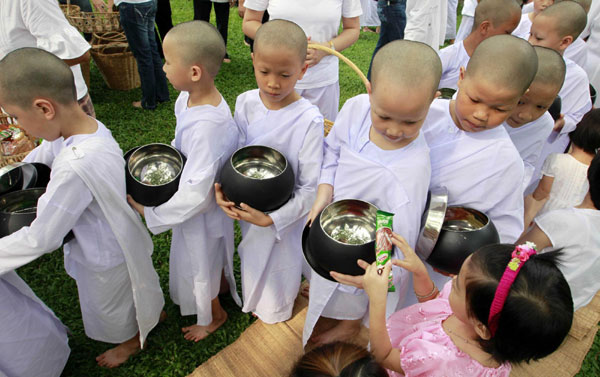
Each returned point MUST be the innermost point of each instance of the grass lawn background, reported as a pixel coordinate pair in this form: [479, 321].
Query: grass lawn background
[166, 352]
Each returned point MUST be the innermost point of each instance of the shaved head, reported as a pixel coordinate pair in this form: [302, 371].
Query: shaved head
[282, 33]
[586, 4]
[551, 67]
[496, 11]
[568, 17]
[407, 64]
[504, 60]
[200, 44]
[30, 73]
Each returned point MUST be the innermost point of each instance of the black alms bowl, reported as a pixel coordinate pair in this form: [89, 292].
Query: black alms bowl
[463, 232]
[340, 235]
[153, 172]
[258, 176]
[18, 209]
[555, 108]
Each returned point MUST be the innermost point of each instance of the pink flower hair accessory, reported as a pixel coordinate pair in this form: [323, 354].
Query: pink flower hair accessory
[520, 255]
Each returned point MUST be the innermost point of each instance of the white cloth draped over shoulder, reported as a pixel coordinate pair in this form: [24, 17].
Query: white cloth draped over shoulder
[207, 136]
[576, 232]
[426, 21]
[396, 181]
[453, 57]
[271, 256]
[41, 24]
[86, 193]
[481, 170]
[33, 342]
[529, 140]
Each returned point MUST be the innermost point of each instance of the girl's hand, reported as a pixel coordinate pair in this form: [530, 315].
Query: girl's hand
[355, 281]
[253, 216]
[559, 123]
[411, 261]
[375, 283]
[135, 205]
[224, 203]
[313, 57]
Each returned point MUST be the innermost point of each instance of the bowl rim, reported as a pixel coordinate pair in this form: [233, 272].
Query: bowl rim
[426, 243]
[344, 200]
[253, 146]
[14, 193]
[147, 145]
[471, 209]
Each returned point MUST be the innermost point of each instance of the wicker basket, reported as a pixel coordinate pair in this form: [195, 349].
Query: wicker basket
[115, 61]
[7, 160]
[327, 123]
[92, 22]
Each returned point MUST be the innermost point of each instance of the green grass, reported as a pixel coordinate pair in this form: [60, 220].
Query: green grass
[167, 353]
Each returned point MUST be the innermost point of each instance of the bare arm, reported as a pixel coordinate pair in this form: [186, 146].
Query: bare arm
[252, 21]
[535, 201]
[349, 35]
[82, 59]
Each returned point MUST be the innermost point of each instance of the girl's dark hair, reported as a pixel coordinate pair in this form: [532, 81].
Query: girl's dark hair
[338, 359]
[587, 133]
[537, 313]
[594, 180]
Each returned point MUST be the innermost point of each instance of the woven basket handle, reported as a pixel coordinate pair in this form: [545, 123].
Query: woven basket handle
[342, 58]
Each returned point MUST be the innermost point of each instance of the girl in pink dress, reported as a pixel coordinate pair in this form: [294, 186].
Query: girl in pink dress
[506, 305]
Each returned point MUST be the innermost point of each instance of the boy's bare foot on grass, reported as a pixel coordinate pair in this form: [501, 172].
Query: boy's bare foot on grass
[196, 332]
[119, 354]
[344, 330]
[137, 104]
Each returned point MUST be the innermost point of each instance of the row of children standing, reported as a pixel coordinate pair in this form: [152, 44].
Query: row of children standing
[377, 138]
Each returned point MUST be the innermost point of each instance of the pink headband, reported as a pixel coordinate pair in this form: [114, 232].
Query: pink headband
[519, 256]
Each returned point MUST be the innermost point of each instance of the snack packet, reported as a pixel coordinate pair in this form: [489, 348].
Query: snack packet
[383, 243]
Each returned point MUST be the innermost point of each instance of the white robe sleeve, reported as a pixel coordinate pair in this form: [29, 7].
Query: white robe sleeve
[59, 208]
[333, 143]
[575, 96]
[43, 153]
[310, 159]
[45, 20]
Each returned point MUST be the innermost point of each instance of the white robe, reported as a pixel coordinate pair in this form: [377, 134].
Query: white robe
[592, 66]
[578, 52]
[33, 342]
[426, 21]
[529, 140]
[576, 232]
[271, 257]
[111, 249]
[394, 180]
[453, 57]
[481, 170]
[575, 97]
[523, 29]
[207, 136]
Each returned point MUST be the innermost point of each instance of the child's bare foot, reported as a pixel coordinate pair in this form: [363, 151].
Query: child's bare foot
[196, 332]
[137, 104]
[119, 354]
[344, 330]
[163, 316]
[305, 290]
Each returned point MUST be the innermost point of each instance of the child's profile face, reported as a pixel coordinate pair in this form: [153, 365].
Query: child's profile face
[397, 114]
[543, 33]
[480, 105]
[458, 294]
[32, 120]
[540, 5]
[277, 70]
[176, 71]
[533, 104]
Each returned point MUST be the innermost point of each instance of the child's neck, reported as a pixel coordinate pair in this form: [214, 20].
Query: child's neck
[471, 42]
[204, 94]
[453, 114]
[73, 121]
[291, 98]
[581, 155]
[465, 338]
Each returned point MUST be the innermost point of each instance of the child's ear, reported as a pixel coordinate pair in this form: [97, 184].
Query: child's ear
[566, 42]
[196, 73]
[482, 331]
[44, 108]
[461, 75]
[303, 71]
[484, 27]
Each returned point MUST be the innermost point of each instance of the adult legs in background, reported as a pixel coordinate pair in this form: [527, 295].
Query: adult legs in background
[202, 10]
[138, 23]
[222, 17]
[164, 22]
[392, 14]
[451, 19]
